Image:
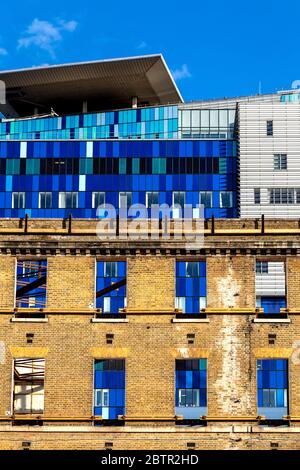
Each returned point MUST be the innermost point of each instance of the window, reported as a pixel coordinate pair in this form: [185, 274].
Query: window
[207, 123]
[272, 388]
[109, 392]
[206, 198]
[31, 283]
[256, 195]
[226, 199]
[45, 200]
[178, 204]
[269, 128]
[125, 200]
[191, 388]
[262, 267]
[68, 200]
[190, 286]
[18, 200]
[283, 196]
[179, 198]
[158, 166]
[280, 161]
[152, 198]
[98, 199]
[28, 390]
[270, 286]
[111, 286]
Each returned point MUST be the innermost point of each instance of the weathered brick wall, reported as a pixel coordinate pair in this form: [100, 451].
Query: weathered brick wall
[230, 282]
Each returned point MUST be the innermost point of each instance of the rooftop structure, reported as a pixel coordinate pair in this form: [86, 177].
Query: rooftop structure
[90, 86]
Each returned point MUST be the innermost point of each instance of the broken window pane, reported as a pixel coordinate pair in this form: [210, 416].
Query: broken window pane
[29, 377]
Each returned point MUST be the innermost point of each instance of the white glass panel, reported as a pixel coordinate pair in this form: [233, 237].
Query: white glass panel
[196, 118]
[186, 118]
[202, 302]
[204, 118]
[231, 116]
[106, 304]
[62, 200]
[213, 118]
[223, 118]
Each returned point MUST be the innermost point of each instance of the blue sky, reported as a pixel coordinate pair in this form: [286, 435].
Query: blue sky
[215, 49]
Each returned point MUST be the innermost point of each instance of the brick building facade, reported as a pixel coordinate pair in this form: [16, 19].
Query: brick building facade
[70, 334]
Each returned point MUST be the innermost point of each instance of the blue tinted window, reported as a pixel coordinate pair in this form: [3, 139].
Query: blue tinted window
[191, 387]
[109, 388]
[110, 274]
[190, 286]
[272, 387]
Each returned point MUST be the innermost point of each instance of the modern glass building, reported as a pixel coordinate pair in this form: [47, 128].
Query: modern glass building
[59, 162]
[76, 136]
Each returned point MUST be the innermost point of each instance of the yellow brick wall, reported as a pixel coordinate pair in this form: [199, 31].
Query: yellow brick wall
[72, 279]
[154, 275]
[150, 345]
[293, 282]
[7, 281]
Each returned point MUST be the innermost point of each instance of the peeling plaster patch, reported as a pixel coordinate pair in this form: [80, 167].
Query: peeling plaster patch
[230, 398]
[2, 352]
[184, 352]
[228, 290]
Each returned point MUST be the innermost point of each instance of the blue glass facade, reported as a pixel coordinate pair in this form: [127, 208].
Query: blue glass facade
[54, 179]
[191, 388]
[108, 273]
[109, 388]
[144, 123]
[272, 388]
[190, 286]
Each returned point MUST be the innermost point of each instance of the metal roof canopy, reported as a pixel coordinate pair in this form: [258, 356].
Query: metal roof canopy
[105, 85]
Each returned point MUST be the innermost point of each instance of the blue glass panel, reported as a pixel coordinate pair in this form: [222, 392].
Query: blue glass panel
[273, 379]
[189, 379]
[181, 379]
[196, 379]
[203, 397]
[280, 397]
[99, 379]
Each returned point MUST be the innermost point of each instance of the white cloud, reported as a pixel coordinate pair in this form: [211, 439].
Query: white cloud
[46, 35]
[182, 72]
[142, 45]
[3, 51]
[68, 25]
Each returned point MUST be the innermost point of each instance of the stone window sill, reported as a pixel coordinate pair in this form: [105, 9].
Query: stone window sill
[29, 320]
[109, 320]
[190, 320]
[271, 320]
